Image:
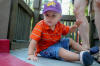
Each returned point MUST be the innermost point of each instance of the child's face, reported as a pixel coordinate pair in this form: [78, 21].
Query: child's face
[52, 17]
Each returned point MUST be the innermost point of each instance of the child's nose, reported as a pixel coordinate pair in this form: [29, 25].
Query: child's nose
[50, 17]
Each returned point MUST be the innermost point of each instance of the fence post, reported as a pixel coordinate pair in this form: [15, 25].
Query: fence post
[12, 21]
[4, 17]
[36, 7]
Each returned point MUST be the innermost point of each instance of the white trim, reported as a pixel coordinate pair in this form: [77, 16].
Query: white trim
[51, 34]
[35, 34]
[50, 39]
[37, 29]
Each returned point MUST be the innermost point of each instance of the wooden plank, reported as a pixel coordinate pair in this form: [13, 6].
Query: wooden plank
[25, 6]
[12, 21]
[66, 18]
[37, 4]
[4, 18]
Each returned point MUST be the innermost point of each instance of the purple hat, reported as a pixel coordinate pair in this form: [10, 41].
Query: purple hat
[53, 6]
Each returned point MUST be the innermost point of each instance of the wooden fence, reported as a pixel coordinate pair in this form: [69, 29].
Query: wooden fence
[20, 23]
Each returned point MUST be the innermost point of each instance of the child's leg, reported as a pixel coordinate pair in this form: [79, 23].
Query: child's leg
[79, 8]
[68, 55]
[76, 46]
[61, 50]
[83, 57]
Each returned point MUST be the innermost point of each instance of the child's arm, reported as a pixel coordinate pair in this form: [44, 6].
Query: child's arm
[31, 51]
[75, 26]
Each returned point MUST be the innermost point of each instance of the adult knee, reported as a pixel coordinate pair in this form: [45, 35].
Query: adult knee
[79, 13]
[98, 1]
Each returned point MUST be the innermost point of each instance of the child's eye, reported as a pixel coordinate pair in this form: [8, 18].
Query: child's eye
[47, 15]
[53, 15]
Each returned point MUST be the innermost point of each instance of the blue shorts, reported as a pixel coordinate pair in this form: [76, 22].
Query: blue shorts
[53, 51]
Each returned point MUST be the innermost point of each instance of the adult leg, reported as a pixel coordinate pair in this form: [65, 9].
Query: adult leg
[79, 8]
[97, 19]
[97, 15]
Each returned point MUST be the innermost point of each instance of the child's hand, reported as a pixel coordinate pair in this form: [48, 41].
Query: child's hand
[78, 22]
[75, 26]
[32, 57]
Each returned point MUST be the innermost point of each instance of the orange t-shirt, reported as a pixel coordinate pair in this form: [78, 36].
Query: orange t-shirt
[46, 37]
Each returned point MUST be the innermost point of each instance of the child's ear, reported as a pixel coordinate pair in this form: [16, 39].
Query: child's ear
[43, 15]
